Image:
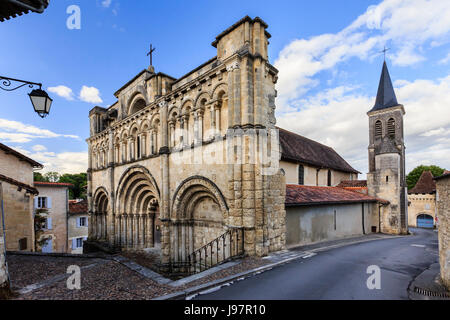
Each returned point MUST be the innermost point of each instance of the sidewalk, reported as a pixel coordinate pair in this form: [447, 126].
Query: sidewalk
[428, 286]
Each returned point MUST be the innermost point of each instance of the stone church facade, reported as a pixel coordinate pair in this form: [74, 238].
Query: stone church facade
[176, 163]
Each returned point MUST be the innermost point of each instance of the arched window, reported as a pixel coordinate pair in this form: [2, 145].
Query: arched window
[329, 178]
[378, 129]
[137, 106]
[301, 175]
[391, 128]
[138, 146]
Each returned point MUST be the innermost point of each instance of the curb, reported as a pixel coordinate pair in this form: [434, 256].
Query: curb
[184, 294]
[57, 255]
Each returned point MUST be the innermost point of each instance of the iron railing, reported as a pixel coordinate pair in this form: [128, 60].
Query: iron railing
[226, 247]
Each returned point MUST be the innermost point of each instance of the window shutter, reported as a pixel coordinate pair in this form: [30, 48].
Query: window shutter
[49, 223]
[74, 243]
[49, 202]
[78, 222]
[36, 202]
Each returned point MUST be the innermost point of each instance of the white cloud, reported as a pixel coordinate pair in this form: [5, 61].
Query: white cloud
[445, 60]
[39, 147]
[90, 94]
[15, 131]
[106, 3]
[64, 162]
[62, 91]
[338, 118]
[408, 25]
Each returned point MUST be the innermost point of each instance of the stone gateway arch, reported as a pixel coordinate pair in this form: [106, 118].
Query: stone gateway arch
[180, 164]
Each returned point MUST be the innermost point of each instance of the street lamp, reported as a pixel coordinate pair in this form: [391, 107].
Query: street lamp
[39, 98]
[41, 102]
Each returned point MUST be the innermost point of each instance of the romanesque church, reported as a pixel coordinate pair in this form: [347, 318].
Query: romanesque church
[195, 167]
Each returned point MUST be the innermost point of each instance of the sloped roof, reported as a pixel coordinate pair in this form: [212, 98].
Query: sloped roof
[425, 184]
[299, 195]
[385, 96]
[296, 148]
[11, 9]
[79, 207]
[352, 184]
[19, 184]
[19, 155]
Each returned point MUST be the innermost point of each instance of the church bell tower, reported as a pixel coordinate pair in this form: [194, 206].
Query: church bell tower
[386, 177]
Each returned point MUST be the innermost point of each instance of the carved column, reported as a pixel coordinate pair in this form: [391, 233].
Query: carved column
[172, 142]
[217, 107]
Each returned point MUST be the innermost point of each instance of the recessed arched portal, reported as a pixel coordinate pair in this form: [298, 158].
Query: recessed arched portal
[100, 214]
[137, 222]
[425, 221]
[199, 212]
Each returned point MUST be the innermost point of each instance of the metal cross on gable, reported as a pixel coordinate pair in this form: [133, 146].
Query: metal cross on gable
[384, 52]
[150, 53]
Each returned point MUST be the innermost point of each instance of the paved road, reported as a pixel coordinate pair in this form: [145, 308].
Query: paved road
[340, 273]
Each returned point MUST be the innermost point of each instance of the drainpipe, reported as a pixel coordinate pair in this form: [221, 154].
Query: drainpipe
[362, 215]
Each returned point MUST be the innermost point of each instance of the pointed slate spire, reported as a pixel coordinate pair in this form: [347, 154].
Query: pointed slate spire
[385, 95]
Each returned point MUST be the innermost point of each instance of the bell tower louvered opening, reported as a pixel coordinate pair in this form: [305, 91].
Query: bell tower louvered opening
[391, 128]
[378, 129]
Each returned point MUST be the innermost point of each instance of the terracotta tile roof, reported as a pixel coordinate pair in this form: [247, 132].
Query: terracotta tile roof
[19, 184]
[52, 184]
[298, 195]
[364, 190]
[352, 184]
[19, 155]
[299, 149]
[425, 184]
[78, 207]
[445, 175]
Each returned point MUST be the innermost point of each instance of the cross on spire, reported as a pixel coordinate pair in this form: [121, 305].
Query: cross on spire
[150, 53]
[384, 52]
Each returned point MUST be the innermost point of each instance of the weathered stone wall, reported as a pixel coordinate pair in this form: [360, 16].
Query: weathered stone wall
[76, 232]
[4, 285]
[310, 172]
[310, 224]
[59, 215]
[169, 147]
[421, 204]
[386, 178]
[443, 212]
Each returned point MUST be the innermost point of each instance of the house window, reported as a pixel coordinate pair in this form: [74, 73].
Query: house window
[378, 129]
[329, 178]
[301, 175]
[81, 222]
[47, 224]
[42, 202]
[23, 244]
[79, 242]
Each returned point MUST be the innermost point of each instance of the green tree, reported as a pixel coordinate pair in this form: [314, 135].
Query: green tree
[39, 177]
[79, 181]
[52, 176]
[40, 241]
[414, 175]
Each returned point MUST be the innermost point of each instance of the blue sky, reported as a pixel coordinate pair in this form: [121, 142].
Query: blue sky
[327, 53]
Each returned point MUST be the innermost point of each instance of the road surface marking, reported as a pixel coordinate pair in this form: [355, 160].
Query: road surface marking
[418, 245]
